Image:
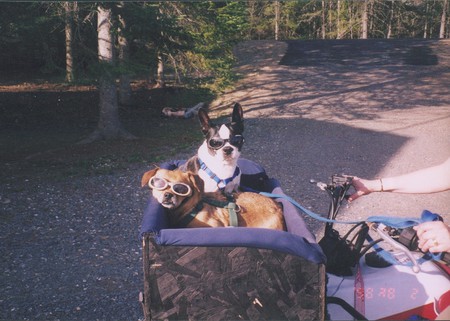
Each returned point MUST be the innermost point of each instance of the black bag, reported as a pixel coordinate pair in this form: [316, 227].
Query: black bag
[341, 253]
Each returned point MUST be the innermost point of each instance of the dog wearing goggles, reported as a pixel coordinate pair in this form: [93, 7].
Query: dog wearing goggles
[181, 193]
[216, 159]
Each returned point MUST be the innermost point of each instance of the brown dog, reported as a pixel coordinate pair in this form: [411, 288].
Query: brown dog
[182, 194]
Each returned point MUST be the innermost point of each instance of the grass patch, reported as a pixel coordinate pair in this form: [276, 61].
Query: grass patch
[41, 126]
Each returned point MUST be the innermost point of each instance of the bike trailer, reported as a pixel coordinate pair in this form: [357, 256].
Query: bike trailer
[232, 273]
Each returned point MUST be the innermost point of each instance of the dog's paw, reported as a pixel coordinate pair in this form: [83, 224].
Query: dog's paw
[230, 188]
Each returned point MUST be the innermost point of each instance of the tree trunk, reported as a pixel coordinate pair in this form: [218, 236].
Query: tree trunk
[425, 27]
[160, 82]
[109, 126]
[69, 8]
[350, 13]
[251, 17]
[124, 82]
[338, 27]
[323, 20]
[391, 18]
[277, 19]
[330, 16]
[443, 20]
[364, 20]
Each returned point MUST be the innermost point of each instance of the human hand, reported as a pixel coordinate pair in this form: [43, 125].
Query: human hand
[363, 187]
[433, 236]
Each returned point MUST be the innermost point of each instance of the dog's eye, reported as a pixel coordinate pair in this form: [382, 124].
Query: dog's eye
[181, 189]
[158, 183]
[237, 140]
[216, 143]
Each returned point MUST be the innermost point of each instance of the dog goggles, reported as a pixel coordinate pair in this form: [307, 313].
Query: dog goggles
[236, 140]
[160, 184]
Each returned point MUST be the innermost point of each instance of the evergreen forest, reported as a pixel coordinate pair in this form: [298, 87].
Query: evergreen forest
[190, 42]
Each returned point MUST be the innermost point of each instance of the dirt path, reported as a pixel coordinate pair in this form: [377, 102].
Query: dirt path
[370, 108]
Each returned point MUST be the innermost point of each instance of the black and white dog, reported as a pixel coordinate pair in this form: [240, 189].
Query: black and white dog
[216, 159]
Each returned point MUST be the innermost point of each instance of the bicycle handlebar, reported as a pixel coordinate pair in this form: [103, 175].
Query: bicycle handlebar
[407, 242]
[380, 229]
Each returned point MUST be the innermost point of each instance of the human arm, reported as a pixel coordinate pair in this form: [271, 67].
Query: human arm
[433, 236]
[428, 180]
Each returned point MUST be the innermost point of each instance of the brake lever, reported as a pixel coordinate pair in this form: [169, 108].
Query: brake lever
[336, 180]
[341, 179]
[380, 230]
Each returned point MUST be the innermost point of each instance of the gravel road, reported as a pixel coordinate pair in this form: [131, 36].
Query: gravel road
[370, 108]
[70, 250]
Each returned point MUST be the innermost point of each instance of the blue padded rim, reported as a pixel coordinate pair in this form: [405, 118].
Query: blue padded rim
[298, 240]
[242, 237]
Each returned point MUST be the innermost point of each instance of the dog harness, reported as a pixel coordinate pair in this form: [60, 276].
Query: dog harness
[230, 205]
[221, 183]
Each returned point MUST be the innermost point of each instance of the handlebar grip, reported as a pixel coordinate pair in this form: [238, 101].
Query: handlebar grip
[446, 258]
[397, 245]
[408, 237]
[341, 179]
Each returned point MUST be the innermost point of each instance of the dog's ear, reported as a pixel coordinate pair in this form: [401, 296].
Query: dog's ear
[237, 119]
[238, 113]
[205, 121]
[147, 176]
[197, 182]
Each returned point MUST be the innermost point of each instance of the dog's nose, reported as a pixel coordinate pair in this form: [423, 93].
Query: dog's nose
[228, 150]
[167, 196]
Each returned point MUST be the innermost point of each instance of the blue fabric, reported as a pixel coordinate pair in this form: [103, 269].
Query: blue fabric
[399, 222]
[243, 237]
[154, 218]
[298, 240]
[392, 221]
[426, 216]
